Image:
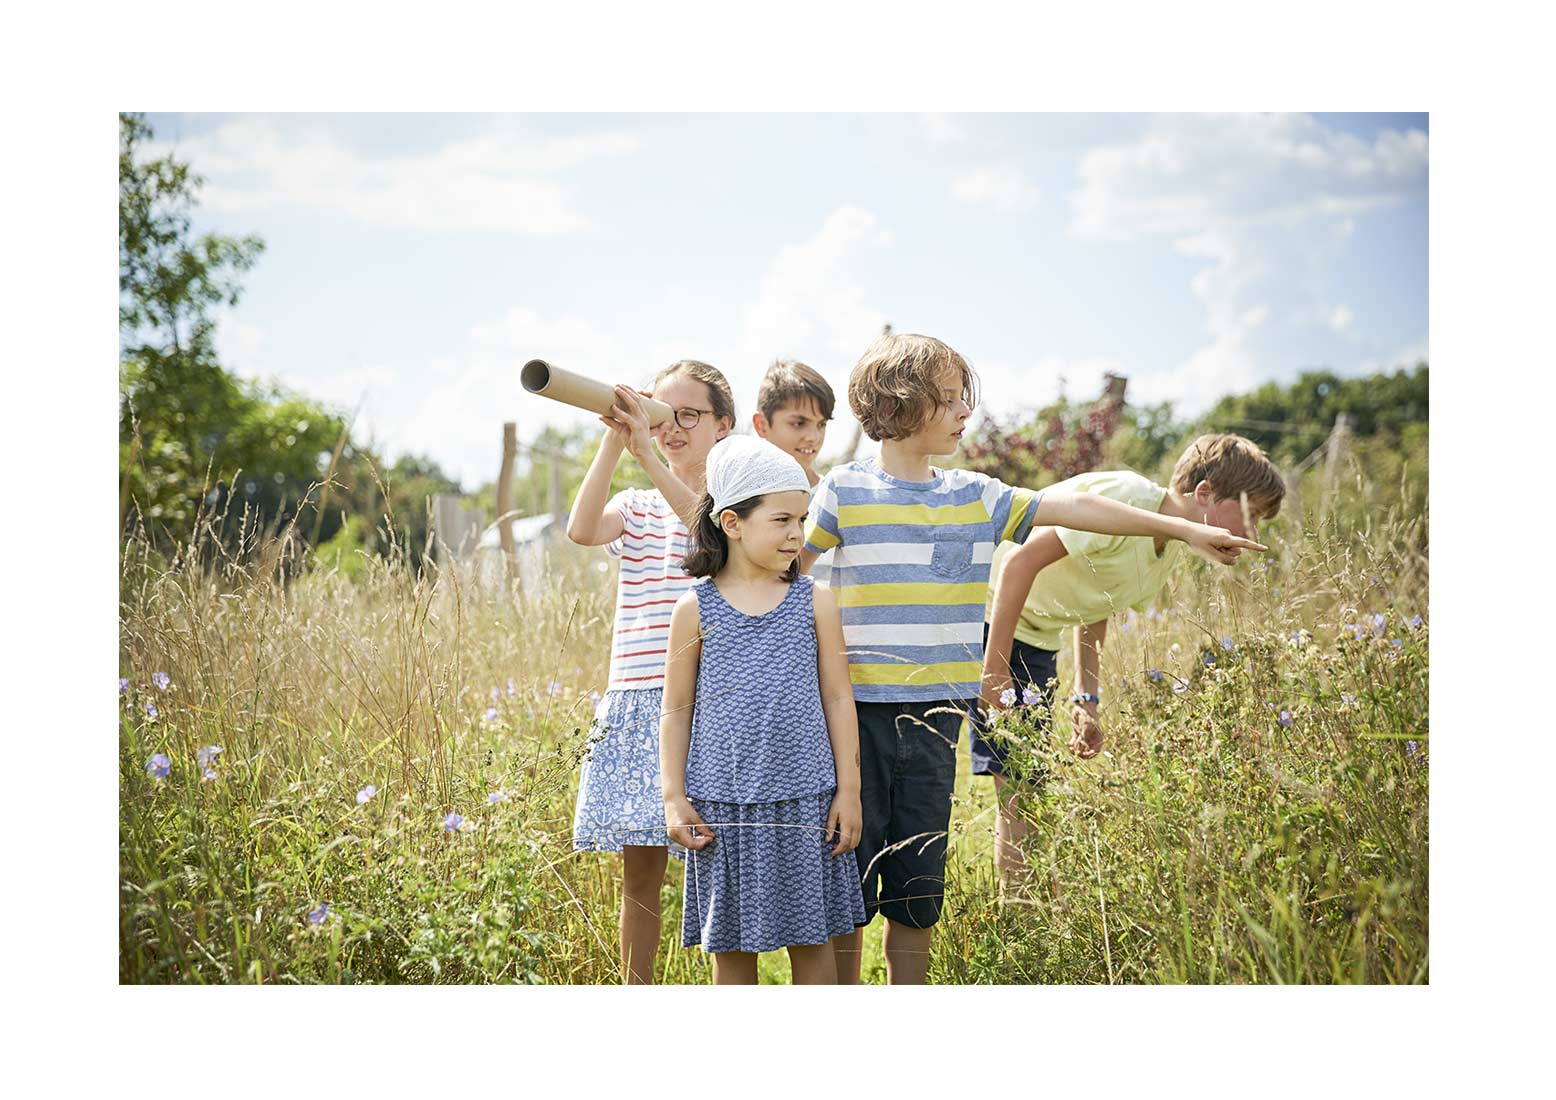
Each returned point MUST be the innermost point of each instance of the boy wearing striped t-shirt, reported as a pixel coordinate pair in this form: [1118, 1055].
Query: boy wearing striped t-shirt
[912, 546]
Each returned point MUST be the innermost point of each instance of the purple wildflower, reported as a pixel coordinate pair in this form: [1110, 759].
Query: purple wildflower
[1397, 643]
[1379, 623]
[1285, 718]
[1180, 687]
[366, 793]
[207, 756]
[161, 680]
[158, 766]
[124, 684]
[1227, 643]
[151, 710]
[512, 690]
[319, 915]
[1411, 747]
[496, 695]
[453, 821]
[496, 796]
[1156, 675]
[1348, 701]
[1031, 696]
[1008, 697]
[1210, 658]
[491, 714]
[1415, 624]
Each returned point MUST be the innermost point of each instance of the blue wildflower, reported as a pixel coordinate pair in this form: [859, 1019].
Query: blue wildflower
[1227, 643]
[151, 710]
[207, 756]
[496, 695]
[1348, 701]
[1210, 658]
[453, 822]
[1411, 747]
[1415, 624]
[1397, 643]
[496, 796]
[1008, 697]
[1379, 623]
[1285, 718]
[1180, 687]
[366, 793]
[491, 714]
[161, 680]
[512, 691]
[319, 915]
[158, 766]
[1156, 675]
[1031, 696]
[124, 685]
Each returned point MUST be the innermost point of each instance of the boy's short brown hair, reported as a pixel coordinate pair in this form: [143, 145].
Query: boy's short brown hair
[895, 387]
[789, 380]
[1233, 466]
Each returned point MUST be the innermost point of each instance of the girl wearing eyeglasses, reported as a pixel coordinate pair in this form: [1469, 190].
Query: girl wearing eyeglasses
[620, 806]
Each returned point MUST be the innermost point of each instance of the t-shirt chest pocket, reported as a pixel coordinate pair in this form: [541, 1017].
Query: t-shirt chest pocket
[953, 552]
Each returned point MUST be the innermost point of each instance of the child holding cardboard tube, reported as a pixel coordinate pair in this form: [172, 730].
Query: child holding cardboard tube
[620, 807]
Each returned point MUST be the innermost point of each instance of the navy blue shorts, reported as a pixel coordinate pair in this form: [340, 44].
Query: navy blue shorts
[1030, 667]
[907, 770]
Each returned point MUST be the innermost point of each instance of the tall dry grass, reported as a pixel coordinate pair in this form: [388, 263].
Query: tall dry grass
[1214, 841]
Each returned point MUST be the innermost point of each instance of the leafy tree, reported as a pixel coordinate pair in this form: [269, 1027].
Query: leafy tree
[190, 433]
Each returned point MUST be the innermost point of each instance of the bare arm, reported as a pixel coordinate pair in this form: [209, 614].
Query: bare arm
[807, 559]
[1086, 738]
[837, 700]
[590, 523]
[1093, 512]
[1020, 570]
[629, 421]
[675, 724]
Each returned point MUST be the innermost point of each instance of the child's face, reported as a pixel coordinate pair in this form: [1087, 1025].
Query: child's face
[688, 446]
[942, 432]
[774, 532]
[1227, 512]
[798, 429]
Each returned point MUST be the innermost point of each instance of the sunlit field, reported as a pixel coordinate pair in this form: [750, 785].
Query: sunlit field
[326, 779]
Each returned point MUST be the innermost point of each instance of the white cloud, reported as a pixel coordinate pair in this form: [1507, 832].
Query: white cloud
[499, 182]
[1002, 186]
[941, 129]
[238, 344]
[1256, 197]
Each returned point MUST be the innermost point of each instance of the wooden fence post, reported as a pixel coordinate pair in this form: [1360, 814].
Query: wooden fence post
[510, 449]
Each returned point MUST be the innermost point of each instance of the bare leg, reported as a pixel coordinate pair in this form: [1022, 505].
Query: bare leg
[812, 964]
[1010, 832]
[907, 954]
[642, 875]
[848, 953]
[734, 968]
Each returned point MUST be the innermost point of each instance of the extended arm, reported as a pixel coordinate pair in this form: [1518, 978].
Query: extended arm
[589, 523]
[1093, 512]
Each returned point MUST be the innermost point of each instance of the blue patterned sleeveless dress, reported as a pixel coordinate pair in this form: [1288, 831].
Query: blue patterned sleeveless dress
[759, 771]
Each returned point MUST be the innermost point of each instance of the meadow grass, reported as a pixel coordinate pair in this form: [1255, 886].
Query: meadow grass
[1259, 813]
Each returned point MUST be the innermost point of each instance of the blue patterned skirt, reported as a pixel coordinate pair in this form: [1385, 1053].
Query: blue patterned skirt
[619, 800]
[769, 878]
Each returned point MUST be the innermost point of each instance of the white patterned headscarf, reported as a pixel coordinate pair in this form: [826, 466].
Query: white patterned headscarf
[742, 466]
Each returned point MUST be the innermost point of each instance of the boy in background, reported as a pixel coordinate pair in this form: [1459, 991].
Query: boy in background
[912, 548]
[1081, 578]
[793, 408]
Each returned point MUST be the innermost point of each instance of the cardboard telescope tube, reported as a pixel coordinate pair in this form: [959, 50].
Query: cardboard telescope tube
[540, 377]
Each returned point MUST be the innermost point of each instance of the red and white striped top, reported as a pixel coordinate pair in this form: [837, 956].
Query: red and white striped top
[653, 542]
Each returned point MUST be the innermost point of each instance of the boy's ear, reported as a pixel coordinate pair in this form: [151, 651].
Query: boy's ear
[1205, 493]
[759, 422]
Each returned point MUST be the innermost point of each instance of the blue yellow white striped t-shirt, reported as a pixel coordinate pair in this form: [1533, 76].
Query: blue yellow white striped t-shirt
[910, 568]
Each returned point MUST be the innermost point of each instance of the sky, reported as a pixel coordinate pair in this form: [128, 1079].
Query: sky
[413, 263]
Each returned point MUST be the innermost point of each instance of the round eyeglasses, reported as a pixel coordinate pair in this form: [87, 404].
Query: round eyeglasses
[687, 417]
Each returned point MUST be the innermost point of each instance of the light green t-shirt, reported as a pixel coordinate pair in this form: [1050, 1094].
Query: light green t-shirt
[1100, 575]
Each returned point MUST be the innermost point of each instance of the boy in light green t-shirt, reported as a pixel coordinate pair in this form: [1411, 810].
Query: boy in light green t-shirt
[1062, 578]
